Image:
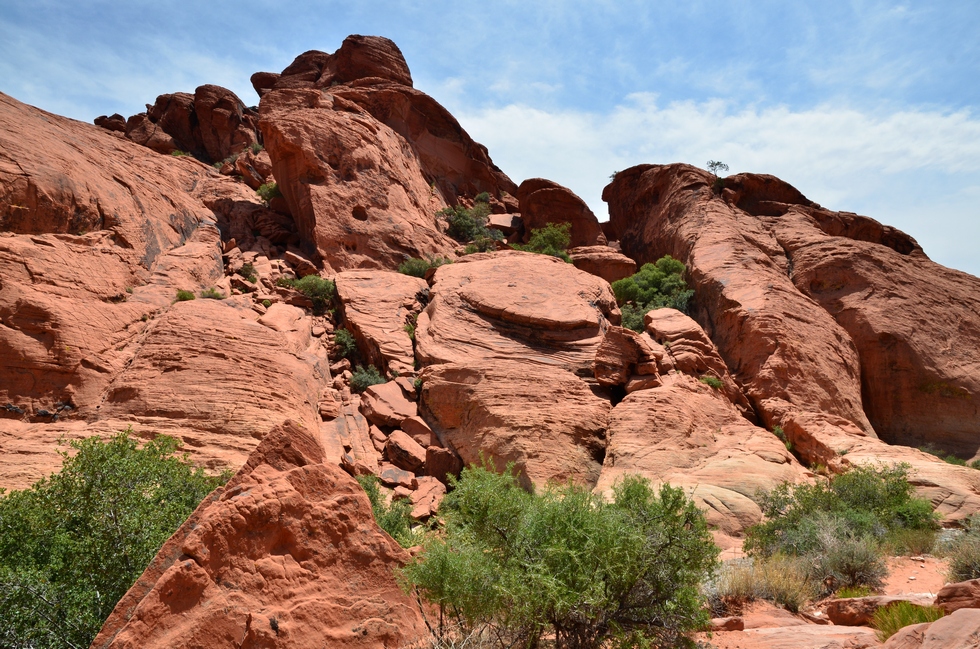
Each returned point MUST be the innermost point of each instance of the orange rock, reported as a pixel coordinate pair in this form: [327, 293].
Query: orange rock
[603, 262]
[859, 611]
[417, 429]
[963, 594]
[286, 554]
[386, 405]
[405, 452]
[960, 630]
[426, 499]
[543, 202]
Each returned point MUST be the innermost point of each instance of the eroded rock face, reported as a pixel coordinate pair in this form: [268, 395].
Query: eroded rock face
[544, 420]
[543, 202]
[691, 436]
[961, 630]
[603, 262]
[287, 554]
[515, 306]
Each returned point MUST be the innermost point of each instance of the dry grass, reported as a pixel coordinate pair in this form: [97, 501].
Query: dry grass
[780, 579]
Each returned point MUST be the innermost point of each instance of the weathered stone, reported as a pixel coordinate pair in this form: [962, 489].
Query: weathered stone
[963, 594]
[386, 405]
[603, 262]
[405, 452]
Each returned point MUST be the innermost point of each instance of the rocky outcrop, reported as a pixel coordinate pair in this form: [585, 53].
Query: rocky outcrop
[963, 594]
[544, 420]
[287, 554]
[961, 630]
[515, 306]
[762, 260]
[859, 611]
[603, 262]
[543, 202]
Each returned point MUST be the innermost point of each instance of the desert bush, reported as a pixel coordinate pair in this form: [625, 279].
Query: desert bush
[212, 294]
[256, 147]
[964, 553]
[888, 620]
[267, 303]
[482, 197]
[467, 224]
[73, 544]
[712, 382]
[567, 563]
[318, 289]
[268, 191]
[345, 342]
[905, 542]
[656, 285]
[553, 239]
[853, 591]
[394, 518]
[183, 296]
[418, 267]
[844, 560]
[780, 579]
[484, 243]
[247, 271]
[364, 377]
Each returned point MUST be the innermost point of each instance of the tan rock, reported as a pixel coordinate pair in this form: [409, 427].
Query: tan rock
[417, 429]
[544, 420]
[858, 611]
[426, 499]
[286, 554]
[603, 262]
[375, 306]
[960, 630]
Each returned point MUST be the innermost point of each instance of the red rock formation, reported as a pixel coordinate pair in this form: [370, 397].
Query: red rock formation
[961, 630]
[543, 202]
[287, 554]
[603, 262]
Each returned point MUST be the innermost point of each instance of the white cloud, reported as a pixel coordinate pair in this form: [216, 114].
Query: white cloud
[914, 169]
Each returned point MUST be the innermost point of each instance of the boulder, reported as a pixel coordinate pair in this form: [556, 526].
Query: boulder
[114, 122]
[624, 353]
[602, 261]
[960, 630]
[859, 611]
[441, 463]
[386, 405]
[417, 429]
[286, 554]
[426, 499]
[404, 452]
[515, 306]
[375, 306]
[226, 126]
[543, 202]
[810, 636]
[544, 420]
[963, 594]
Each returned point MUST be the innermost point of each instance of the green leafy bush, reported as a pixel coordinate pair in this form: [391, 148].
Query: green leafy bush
[364, 377]
[178, 153]
[840, 526]
[484, 244]
[345, 342]
[657, 285]
[418, 267]
[553, 239]
[482, 197]
[268, 191]
[888, 620]
[394, 518]
[567, 563]
[467, 224]
[318, 289]
[267, 303]
[73, 544]
[183, 296]
[247, 271]
[212, 294]
[712, 382]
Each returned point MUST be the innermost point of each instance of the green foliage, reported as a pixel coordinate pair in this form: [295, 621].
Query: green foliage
[418, 267]
[395, 519]
[410, 325]
[248, 272]
[778, 432]
[345, 342]
[484, 244]
[364, 377]
[267, 303]
[212, 294]
[268, 191]
[780, 579]
[72, 544]
[183, 296]
[949, 458]
[841, 525]
[418, 384]
[553, 239]
[318, 289]
[905, 542]
[256, 147]
[853, 591]
[566, 562]
[469, 224]
[715, 166]
[178, 153]
[657, 285]
[482, 197]
[712, 382]
[888, 620]
[964, 555]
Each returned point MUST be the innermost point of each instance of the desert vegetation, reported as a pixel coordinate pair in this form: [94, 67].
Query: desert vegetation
[656, 285]
[553, 239]
[469, 225]
[318, 289]
[364, 377]
[417, 267]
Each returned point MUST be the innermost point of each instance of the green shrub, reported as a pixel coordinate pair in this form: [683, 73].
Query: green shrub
[256, 147]
[212, 294]
[418, 267]
[657, 285]
[468, 224]
[318, 289]
[778, 432]
[964, 555]
[848, 592]
[268, 191]
[345, 342]
[905, 542]
[73, 544]
[410, 325]
[364, 377]
[248, 272]
[566, 563]
[183, 296]
[553, 239]
[843, 560]
[483, 244]
[949, 458]
[482, 197]
[712, 382]
[888, 620]
[267, 303]
[395, 519]
[178, 153]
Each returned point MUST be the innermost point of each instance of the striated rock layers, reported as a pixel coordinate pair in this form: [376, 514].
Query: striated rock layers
[836, 327]
[287, 554]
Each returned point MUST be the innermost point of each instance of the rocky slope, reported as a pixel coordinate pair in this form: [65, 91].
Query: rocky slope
[829, 325]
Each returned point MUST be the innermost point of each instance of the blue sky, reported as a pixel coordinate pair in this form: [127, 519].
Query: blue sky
[871, 107]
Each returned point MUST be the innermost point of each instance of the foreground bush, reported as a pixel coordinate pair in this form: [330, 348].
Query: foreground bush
[519, 566]
[888, 620]
[318, 289]
[656, 286]
[840, 526]
[393, 518]
[73, 544]
[553, 239]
